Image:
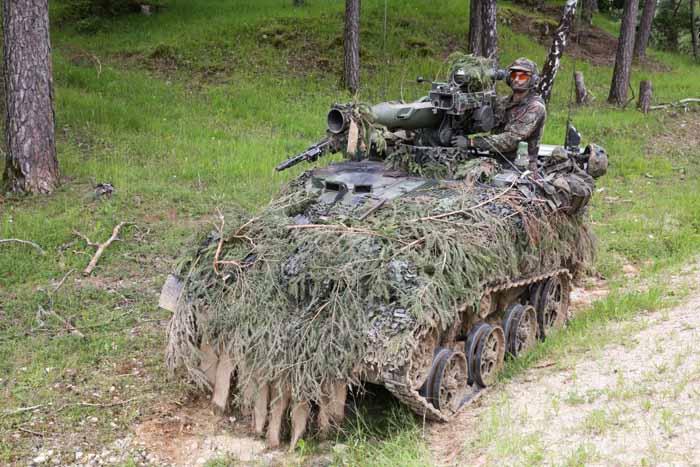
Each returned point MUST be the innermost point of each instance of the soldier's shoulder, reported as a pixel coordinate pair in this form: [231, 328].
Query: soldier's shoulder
[536, 104]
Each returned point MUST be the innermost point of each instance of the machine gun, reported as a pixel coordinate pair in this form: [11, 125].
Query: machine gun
[314, 152]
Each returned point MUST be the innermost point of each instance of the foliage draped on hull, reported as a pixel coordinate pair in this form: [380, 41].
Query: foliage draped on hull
[306, 294]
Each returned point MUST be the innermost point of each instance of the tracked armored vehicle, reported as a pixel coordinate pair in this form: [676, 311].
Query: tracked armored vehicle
[410, 264]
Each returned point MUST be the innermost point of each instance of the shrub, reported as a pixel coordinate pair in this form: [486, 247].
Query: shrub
[87, 14]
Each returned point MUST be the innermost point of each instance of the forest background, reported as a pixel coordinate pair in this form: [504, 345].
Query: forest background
[190, 107]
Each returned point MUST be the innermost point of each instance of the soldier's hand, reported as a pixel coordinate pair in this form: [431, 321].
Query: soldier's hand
[461, 142]
[532, 167]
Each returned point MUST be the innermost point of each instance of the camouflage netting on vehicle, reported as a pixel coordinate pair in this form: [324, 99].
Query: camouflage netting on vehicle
[442, 163]
[478, 70]
[308, 304]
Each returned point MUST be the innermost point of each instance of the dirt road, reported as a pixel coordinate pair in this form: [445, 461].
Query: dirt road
[634, 401]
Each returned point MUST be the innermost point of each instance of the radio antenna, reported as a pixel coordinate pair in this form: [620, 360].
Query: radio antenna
[577, 20]
[386, 60]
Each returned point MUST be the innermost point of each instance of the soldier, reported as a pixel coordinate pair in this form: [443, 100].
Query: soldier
[521, 116]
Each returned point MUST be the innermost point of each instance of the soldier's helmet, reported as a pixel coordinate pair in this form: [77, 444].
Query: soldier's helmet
[522, 74]
[597, 161]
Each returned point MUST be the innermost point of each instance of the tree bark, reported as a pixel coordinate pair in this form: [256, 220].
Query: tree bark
[582, 96]
[623, 59]
[489, 36]
[588, 8]
[31, 164]
[561, 36]
[351, 45]
[694, 29]
[644, 31]
[475, 27]
[644, 96]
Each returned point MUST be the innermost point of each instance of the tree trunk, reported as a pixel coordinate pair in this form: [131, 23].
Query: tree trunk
[623, 59]
[644, 31]
[644, 96]
[582, 96]
[489, 36]
[351, 45]
[298, 2]
[694, 30]
[561, 36]
[475, 27]
[31, 164]
[671, 33]
[589, 7]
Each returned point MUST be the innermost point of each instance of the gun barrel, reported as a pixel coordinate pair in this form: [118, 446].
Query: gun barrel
[311, 154]
[291, 162]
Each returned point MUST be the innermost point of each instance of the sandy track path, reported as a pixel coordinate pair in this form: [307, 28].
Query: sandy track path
[633, 402]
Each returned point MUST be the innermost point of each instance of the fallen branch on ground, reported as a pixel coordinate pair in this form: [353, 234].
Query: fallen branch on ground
[93, 404]
[681, 103]
[24, 242]
[22, 410]
[65, 322]
[62, 281]
[101, 247]
[72, 404]
[31, 432]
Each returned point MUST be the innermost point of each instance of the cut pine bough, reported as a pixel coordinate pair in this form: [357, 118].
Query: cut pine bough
[284, 324]
[436, 384]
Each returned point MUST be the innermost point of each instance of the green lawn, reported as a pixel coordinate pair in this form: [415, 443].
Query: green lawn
[189, 110]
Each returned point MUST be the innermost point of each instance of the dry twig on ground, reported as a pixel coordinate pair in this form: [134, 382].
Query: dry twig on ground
[22, 410]
[24, 242]
[681, 103]
[101, 247]
[66, 323]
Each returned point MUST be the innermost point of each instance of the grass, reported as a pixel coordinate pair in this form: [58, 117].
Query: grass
[190, 109]
[382, 440]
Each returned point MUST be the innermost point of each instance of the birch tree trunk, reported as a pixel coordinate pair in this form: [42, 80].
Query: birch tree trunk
[351, 45]
[475, 27]
[561, 37]
[31, 164]
[644, 31]
[623, 59]
[489, 36]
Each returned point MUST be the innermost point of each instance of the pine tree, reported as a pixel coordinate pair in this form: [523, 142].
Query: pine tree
[623, 59]
[31, 164]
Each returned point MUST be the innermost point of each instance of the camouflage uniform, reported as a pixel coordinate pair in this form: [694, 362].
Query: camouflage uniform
[517, 121]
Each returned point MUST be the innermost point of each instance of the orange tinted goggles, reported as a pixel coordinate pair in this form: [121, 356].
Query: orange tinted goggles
[518, 75]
